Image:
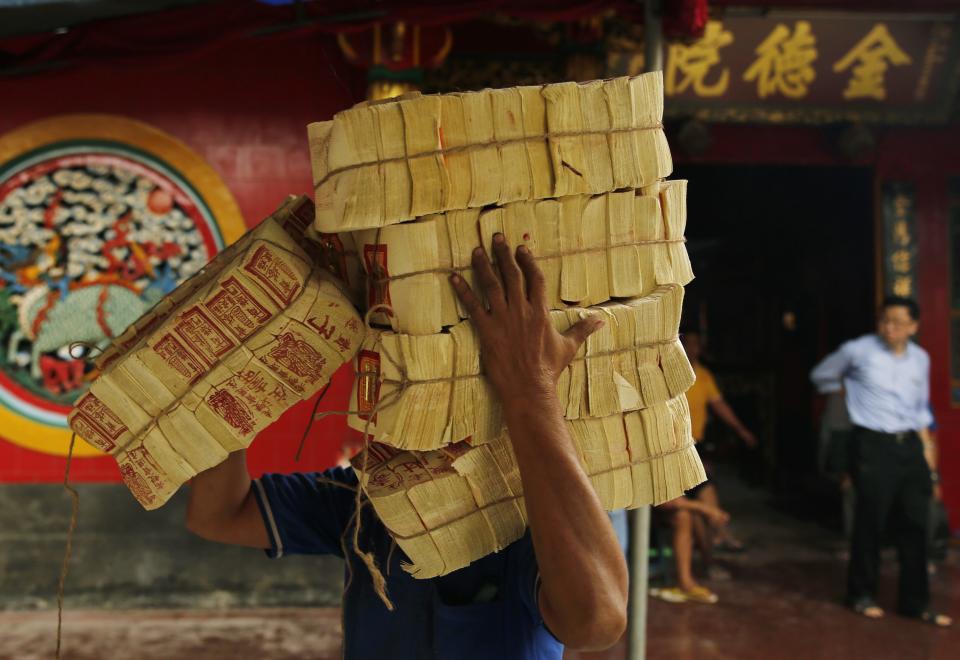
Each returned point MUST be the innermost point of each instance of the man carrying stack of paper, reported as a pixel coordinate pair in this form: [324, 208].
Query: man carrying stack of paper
[533, 393]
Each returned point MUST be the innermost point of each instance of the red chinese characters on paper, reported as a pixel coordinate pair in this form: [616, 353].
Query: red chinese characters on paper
[436, 463]
[102, 427]
[324, 329]
[143, 475]
[137, 484]
[386, 479]
[274, 274]
[296, 360]
[235, 308]
[233, 411]
[89, 431]
[202, 335]
[178, 358]
[411, 472]
[259, 392]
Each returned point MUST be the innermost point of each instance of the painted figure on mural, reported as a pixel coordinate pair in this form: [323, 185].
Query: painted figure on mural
[87, 244]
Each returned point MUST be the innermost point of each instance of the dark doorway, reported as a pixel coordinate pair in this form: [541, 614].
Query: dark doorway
[784, 259]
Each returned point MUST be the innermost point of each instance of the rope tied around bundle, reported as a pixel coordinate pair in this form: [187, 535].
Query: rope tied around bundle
[379, 278]
[443, 151]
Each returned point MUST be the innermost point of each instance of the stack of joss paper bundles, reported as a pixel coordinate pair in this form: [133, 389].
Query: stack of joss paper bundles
[259, 329]
[573, 171]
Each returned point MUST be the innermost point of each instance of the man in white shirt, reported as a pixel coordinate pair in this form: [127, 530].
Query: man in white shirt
[886, 379]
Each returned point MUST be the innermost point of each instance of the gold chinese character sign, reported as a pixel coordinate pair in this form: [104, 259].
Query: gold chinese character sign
[825, 67]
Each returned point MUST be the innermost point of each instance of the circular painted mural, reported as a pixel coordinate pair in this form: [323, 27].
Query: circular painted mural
[96, 225]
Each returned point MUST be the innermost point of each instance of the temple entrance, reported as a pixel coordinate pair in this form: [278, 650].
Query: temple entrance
[785, 265]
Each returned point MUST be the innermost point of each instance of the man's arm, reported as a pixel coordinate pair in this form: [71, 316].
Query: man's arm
[931, 452]
[583, 589]
[828, 375]
[723, 410]
[222, 507]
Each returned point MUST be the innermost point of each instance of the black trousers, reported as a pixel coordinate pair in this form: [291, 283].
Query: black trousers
[893, 487]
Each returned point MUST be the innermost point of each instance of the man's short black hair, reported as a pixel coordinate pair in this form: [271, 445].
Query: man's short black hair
[900, 301]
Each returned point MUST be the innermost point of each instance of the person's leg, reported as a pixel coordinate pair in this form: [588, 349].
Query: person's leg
[912, 507]
[719, 533]
[872, 482]
[849, 495]
[683, 548]
[703, 539]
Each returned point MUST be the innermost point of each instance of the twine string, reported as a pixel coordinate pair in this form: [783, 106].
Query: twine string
[313, 414]
[454, 270]
[65, 566]
[474, 146]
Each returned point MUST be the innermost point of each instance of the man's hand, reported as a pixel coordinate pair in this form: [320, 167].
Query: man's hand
[522, 352]
[583, 575]
[749, 439]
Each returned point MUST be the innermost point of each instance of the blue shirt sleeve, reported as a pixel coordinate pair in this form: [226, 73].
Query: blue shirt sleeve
[306, 513]
[925, 410]
[828, 375]
[525, 574]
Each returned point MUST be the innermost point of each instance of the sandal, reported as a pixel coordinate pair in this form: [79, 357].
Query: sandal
[701, 594]
[867, 607]
[671, 594]
[936, 619]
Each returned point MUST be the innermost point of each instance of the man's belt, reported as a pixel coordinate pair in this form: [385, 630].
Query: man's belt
[899, 437]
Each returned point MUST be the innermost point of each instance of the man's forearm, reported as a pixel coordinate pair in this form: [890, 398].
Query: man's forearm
[582, 569]
[583, 592]
[725, 413]
[930, 449]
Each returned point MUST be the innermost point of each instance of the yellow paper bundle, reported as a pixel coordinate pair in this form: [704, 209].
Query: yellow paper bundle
[424, 392]
[259, 329]
[451, 506]
[410, 187]
[379, 164]
[591, 249]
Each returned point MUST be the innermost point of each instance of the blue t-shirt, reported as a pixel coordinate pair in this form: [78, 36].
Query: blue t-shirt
[484, 611]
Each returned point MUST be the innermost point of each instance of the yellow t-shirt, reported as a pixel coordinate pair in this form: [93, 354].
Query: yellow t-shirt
[704, 391]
